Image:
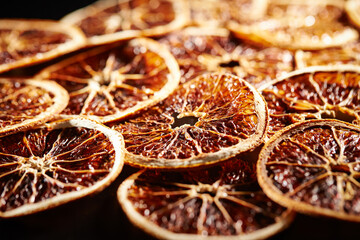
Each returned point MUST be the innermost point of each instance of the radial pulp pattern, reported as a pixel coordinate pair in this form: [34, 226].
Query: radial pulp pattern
[108, 21]
[206, 120]
[313, 92]
[200, 50]
[113, 82]
[25, 103]
[313, 167]
[25, 42]
[62, 161]
[218, 202]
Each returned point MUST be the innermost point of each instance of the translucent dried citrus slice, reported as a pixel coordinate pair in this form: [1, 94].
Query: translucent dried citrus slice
[313, 167]
[110, 20]
[218, 202]
[297, 25]
[112, 82]
[206, 120]
[62, 161]
[200, 50]
[314, 92]
[28, 102]
[24, 42]
[348, 54]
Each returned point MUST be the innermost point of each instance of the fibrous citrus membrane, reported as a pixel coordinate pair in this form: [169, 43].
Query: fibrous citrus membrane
[217, 202]
[108, 21]
[24, 42]
[62, 161]
[110, 83]
[297, 25]
[313, 92]
[313, 168]
[206, 120]
[28, 102]
[200, 50]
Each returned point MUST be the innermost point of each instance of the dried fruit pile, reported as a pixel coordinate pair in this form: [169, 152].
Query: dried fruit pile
[234, 114]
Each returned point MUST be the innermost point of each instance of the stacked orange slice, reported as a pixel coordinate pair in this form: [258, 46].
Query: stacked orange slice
[208, 49]
[313, 167]
[113, 82]
[313, 92]
[217, 202]
[25, 42]
[56, 163]
[297, 25]
[108, 21]
[25, 103]
[206, 120]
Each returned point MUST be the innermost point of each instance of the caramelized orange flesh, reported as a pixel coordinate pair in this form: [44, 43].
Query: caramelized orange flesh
[41, 164]
[197, 54]
[319, 94]
[220, 201]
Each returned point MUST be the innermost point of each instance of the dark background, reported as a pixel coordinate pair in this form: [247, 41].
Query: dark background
[99, 216]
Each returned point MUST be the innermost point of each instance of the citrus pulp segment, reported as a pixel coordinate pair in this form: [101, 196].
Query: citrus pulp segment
[108, 21]
[220, 202]
[59, 162]
[24, 42]
[313, 92]
[25, 103]
[313, 167]
[206, 120]
[297, 25]
[205, 49]
[113, 82]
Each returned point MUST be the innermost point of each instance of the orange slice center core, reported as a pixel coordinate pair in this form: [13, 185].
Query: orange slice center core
[180, 121]
[229, 64]
[340, 168]
[36, 164]
[207, 189]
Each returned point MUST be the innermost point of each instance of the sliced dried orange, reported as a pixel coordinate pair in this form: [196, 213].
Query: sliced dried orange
[24, 42]
[28, 102]
[62, 161]
[200, 50]
[297, 25]
[108, 21]
[109, 83]
[313, 167]
[314, 92]
[206, 120]
[218, 202]
[348, 54]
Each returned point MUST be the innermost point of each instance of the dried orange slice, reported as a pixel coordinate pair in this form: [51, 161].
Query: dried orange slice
[218, 202]
[297, 25]
[109, 83]
[314, 92]
[28, 102]
[204, 49]
[24, 42]
[206, 120]
[62, 161]
[348, 54]
[108, 21]
[313, 168]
